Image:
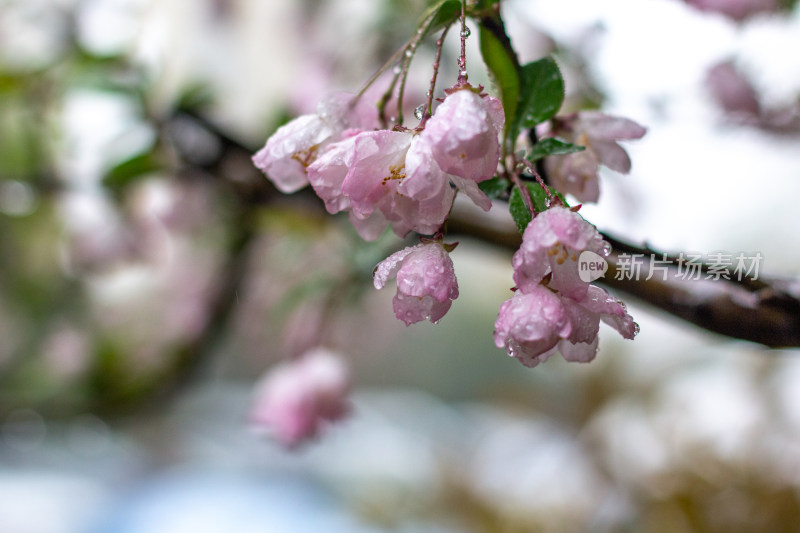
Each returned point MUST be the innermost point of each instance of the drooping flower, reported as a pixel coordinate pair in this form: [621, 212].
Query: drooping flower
[553, 308]
[551, 246]
[576, 173]
[426, 282]
[533, 325]
[464, 134]
[295, 145]
[296, 399]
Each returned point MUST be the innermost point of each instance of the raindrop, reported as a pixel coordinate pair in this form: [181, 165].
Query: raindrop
[428, 93]
[635, 329]
[419, 112]
[606, 249]
[462, 72]
[409, 52]
[465, 33]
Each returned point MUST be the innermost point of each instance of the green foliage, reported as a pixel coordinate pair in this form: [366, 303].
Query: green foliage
[552, 146]
[539, 199]
[494, 187]
[131, 170]
[541, 93]
[502, 66]
[447, 12]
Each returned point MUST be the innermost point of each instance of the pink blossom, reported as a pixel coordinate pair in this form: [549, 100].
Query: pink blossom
[426, 282]
[533, 325]
[464, 134]
[530, 325]
[384, 177]
[736, 9]
[295, 145]
[551, 246]
[295, 399]
[732, 90]
[576, 173]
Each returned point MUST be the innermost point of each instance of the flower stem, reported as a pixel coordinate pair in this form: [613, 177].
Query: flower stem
[551, 198]
[431, 89]
[462, 60]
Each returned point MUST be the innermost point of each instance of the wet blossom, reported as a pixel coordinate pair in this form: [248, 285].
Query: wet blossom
[551, 246]
[426, 282]
[533, 325]
[297, 144]
[576, 173]
[407, 178]
[553, 308]
[297, 398]
[463, 134]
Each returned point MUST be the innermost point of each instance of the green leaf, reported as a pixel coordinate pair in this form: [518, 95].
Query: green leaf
[541, 93]
[552, 146]
[503, 68]
[494, 187]
[519, 212]
[131, 170]
[446, 13]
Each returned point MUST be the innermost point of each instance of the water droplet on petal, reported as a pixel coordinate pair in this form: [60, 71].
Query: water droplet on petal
[606, 249]
[465, 33]
[419, 112]
[635, 329]
[462, 72]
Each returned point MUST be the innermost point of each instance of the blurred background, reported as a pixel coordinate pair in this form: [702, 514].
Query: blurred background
[148, 278]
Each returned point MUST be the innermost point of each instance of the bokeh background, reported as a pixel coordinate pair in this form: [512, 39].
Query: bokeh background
[147, 280]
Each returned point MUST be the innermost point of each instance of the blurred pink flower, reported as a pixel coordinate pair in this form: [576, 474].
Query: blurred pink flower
[426, 282]
[736, 9]
[732, 90]
[576, 173]
[295, 399]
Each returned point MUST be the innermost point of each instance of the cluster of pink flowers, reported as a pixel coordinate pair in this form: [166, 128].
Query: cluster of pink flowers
[297, 398]
[553, 309]
[576, 173]
[406, 178]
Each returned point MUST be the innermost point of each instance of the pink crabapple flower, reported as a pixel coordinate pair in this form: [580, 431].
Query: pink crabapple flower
[463, 134]
[383, 177]
[533, 325]
[295, 145]
[396, 177]
[426, 282]
[553, 308]
[576, 173]
[551, 246]
[296, 398]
